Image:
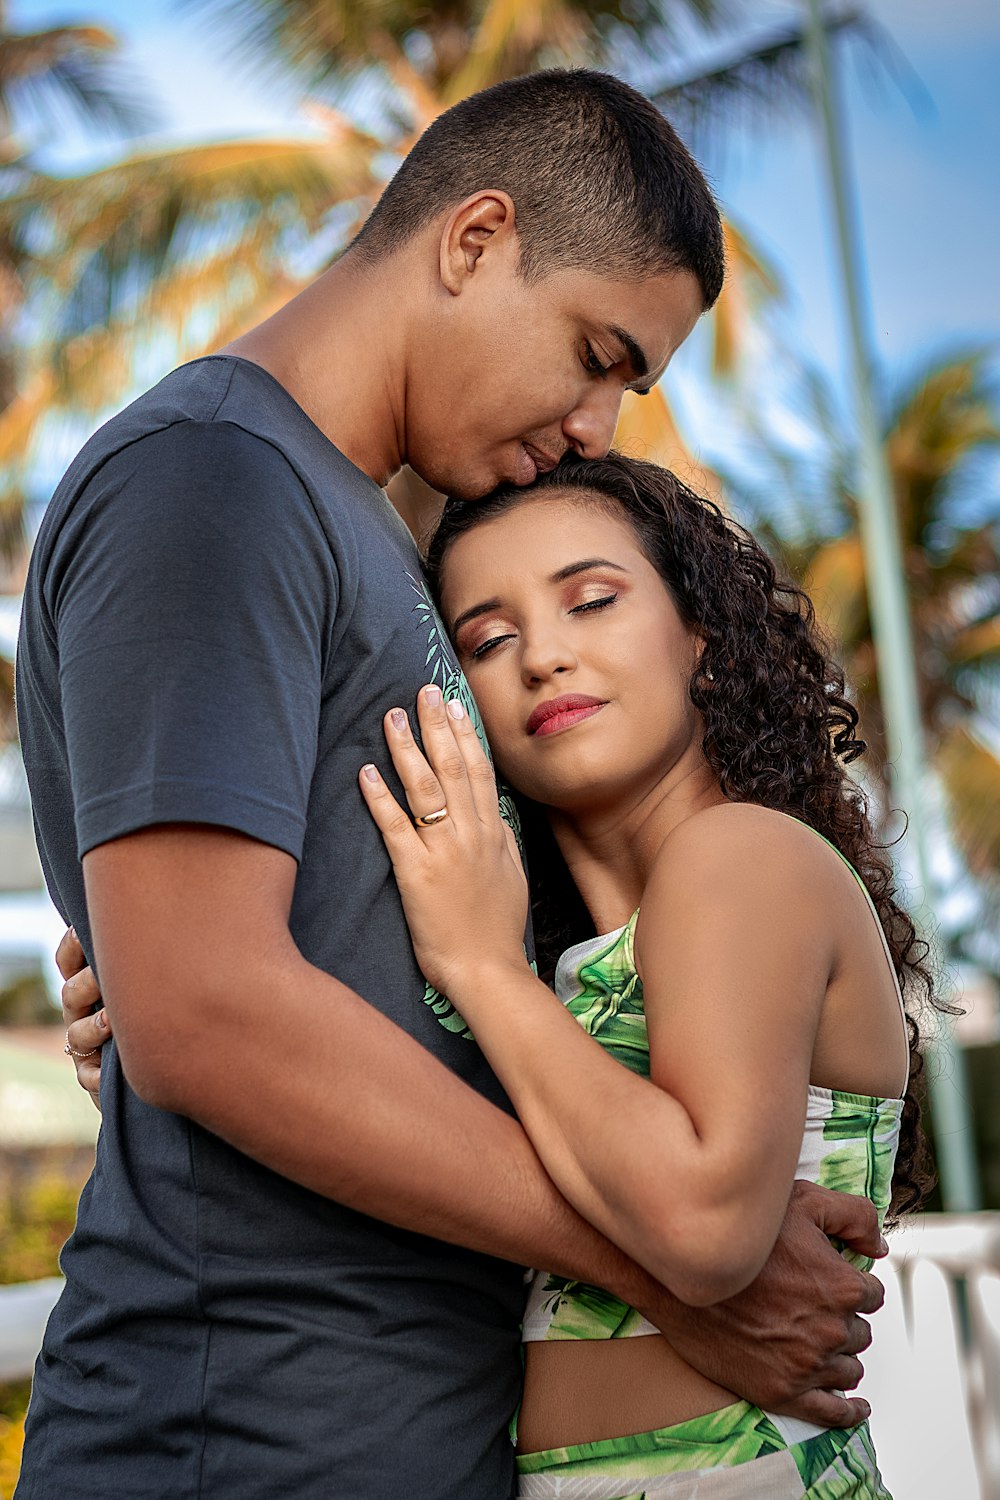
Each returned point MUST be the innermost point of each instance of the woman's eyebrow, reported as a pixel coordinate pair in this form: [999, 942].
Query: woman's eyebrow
[571, 569]
[471, 614]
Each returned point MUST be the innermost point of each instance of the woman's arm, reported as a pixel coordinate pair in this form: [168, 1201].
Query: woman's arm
[691, 1171]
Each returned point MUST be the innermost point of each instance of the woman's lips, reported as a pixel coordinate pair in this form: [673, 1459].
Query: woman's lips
[562, 713]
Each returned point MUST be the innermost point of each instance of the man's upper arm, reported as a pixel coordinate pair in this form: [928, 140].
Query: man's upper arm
[192, 603]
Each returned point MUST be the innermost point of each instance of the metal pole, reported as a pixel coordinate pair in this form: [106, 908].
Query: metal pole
[891, 623]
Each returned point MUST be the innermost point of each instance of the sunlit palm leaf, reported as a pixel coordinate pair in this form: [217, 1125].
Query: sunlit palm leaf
[68, 68]
[749, 82]
[648, 429]
[978, 645]
[325, 42]
[750, 280]
[947, 416]
[19, 420]
[512, 37]
[836, 582]
[114, 229]
[970, 771]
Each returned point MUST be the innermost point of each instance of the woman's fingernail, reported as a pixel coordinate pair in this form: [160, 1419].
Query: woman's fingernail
[398, 719]
[432, 696]
[455, 709]
[369, 773]
[102, 1021]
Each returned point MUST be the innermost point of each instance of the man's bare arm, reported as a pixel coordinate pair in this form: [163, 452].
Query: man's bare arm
[219, 1017]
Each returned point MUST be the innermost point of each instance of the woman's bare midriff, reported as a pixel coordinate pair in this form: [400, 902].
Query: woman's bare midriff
[584, 1390]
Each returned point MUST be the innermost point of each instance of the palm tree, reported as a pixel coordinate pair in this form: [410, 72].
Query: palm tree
[941, 428]
[61, 72]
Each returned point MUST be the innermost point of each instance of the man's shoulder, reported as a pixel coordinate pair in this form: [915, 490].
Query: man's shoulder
[229, 418]
[182, 420]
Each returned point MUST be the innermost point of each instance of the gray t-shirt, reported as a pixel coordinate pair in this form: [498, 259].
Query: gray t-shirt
[219, 610]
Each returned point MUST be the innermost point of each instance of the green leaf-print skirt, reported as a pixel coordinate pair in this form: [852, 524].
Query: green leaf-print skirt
[733, 1454]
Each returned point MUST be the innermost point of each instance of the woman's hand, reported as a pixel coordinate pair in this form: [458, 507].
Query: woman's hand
[459, 875]
[87, 1027]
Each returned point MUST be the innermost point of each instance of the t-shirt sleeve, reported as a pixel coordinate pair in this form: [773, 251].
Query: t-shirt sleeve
[192, 590]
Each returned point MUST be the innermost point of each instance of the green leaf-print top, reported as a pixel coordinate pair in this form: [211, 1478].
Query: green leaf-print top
[849, 1142]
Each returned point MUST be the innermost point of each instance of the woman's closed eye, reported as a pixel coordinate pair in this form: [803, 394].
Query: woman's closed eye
[486, 646]
[601, 603]
[490, 644]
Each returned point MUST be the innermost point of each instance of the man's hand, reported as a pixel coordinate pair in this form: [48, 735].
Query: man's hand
[87, 1028]
[789, 1342]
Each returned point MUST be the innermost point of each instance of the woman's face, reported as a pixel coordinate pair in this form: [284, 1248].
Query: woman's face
[575, 651]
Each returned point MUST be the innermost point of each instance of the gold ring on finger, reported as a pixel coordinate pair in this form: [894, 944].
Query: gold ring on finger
[72, 1051]
[429, 819]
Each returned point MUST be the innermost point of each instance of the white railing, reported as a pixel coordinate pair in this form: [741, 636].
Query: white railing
[933, 1373]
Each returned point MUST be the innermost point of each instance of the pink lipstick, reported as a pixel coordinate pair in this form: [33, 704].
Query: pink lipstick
[562, 713]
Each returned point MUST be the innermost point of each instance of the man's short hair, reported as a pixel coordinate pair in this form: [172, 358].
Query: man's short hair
[599, 179]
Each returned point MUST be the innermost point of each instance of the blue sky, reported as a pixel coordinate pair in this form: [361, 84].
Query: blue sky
[926, 174]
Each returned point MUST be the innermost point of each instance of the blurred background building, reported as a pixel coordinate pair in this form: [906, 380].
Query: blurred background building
[172, 171]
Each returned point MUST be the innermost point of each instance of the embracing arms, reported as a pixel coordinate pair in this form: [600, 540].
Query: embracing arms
[237, 1046]
[689, 1170]
[217, 1016]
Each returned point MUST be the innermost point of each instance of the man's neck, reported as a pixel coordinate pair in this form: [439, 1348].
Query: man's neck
[339, 350]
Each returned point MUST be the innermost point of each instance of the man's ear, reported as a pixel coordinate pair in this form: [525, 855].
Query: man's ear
[481, 225]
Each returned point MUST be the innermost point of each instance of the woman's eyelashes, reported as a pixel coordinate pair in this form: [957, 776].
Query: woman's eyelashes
[478, 651]
[483, 648]
[601, 603]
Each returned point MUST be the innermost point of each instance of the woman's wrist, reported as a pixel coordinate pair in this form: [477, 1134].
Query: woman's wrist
[483, 976]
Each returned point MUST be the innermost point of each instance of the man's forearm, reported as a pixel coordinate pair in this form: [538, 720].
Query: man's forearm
[297, 1071]
[217, 1016]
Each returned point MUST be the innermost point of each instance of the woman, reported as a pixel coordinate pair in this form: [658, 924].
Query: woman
[677, 737]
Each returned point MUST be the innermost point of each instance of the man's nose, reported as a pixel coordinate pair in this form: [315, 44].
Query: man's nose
[590, 426]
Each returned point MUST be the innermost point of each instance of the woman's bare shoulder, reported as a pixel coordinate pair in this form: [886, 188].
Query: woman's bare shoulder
[741, 857]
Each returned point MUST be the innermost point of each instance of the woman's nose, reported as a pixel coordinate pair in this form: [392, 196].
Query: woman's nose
[546, 654]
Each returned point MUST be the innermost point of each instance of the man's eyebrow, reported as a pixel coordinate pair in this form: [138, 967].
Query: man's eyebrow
[570, 571]
[632, 347]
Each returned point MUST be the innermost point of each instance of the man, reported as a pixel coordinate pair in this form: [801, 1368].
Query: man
[296, 1269]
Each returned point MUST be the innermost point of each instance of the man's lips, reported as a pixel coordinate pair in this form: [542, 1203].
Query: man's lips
[531, 462]
[561, 713]
[543, 462]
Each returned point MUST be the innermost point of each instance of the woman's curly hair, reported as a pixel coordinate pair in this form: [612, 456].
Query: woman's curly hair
[779, 727]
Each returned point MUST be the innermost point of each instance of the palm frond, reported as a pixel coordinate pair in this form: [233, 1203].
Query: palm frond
[977, 645]
[750, 280]
[513, 37]
[647, 428]
[750, 82]
[461, 44]
[835, 580]
[945, 415]
[100, 238]
[69, 71]
[970, 771]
